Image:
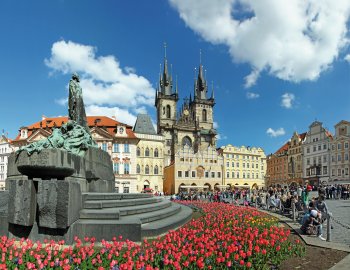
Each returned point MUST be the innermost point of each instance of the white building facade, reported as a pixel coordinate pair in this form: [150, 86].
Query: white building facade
[316, 154]
[5, 150]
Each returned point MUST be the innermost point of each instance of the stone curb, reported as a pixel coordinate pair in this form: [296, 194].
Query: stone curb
[314, 241]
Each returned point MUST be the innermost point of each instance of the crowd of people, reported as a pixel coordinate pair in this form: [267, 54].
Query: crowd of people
[313, 211]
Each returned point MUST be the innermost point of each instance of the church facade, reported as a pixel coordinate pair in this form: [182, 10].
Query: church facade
[189, 127]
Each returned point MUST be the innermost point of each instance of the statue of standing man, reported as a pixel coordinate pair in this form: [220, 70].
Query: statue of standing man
[76, 109]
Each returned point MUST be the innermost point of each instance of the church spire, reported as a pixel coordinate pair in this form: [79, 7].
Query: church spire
[201, 84]
[166, 81]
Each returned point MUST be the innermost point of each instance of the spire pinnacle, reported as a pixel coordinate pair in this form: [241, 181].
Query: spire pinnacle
[176, 90]
[200, 56]
[164, 49]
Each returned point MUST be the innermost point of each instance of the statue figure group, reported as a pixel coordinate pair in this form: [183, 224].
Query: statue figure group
[74, 136]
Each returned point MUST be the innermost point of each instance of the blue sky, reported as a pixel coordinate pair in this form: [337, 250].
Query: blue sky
[276, 65]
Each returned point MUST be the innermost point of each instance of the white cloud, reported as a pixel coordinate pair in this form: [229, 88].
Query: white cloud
[275, 133]
[251, 79]
[122, 115]
[62, 101]
[105, 84]
[347, 58]
[251, 95]
[292, 40]
[287, 100]
[221, 137]
[215, 125]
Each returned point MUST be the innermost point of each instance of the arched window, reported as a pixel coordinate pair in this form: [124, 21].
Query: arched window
[187, 141]
[138, 152]
[147, 152]
[156, 152]
[146, 169]
[138, 168]
[168, 111]
[204, 115]
[156, 169]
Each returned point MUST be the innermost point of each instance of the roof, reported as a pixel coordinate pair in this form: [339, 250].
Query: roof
[283, 148]
[302, 135]
[104, 122]
[144, 125]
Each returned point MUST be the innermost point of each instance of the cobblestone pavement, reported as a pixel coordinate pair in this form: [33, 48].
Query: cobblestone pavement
[340, 210]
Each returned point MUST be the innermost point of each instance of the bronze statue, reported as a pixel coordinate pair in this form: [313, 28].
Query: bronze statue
[76, 109]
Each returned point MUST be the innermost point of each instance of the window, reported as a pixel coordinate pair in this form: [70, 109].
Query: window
[138, 151]
[187, 174]
[319, 160]
[125, 189]
[156, 169]
[147, 152]
[314, 148]
[227, 164]
[346, 156]
[204, 115]
[339, 172]
[339, 157]
[324, 158]
[156, 154]
[339, 146]
[319, 147]
[233, 164]
[147, 169]
[104, 146]
[247, 165]
[138, 168]
[126, 168]
[116, 168]
[257, 176]
[206, 174]
[233, 175]
[308, 161]
[228, 174]
[237, 174]
[243, 165]
[324, 146]
[168, 111]
[193, 173]
[126, 148]
[308, 150]
[115, 147]
[325, 170]
[248, 175]
[243, 175]
[346, 171]
[346, 145]
[219, 174]
[179, 173]
[212, 174]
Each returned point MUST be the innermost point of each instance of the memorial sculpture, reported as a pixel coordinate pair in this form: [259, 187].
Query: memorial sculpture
[63, 186]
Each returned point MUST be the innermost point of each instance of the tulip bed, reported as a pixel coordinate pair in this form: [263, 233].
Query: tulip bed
[224, 237]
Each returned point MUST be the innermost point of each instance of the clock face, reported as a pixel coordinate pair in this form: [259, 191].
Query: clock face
[121, 130]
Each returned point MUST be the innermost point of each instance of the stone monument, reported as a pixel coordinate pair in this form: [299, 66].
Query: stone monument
[63, 186]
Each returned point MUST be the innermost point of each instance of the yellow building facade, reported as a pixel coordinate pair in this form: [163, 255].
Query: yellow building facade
[244, 166]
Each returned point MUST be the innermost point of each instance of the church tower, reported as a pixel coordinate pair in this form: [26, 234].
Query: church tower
[202, 109]
[166, 103]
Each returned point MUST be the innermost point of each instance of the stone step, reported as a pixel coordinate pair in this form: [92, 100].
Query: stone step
[99, 204]
[158, 227]
[157, 215]
[117, 212]
[88, 196]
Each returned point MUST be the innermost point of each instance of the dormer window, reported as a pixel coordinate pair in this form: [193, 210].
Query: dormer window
[24, 133]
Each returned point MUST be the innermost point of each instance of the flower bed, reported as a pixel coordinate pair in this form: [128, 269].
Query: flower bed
[225, 237]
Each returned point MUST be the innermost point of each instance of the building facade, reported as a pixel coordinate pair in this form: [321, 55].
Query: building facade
[114, 137]
[316, 154]
[149, 156]
[295, 159]
[201, 169]
[340, 163]
[244, 166]
[5, 150]
[277, 167]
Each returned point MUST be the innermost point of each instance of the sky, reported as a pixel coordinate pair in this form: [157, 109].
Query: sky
[276, 65]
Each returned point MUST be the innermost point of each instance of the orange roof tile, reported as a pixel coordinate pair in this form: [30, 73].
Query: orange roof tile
[100, 121]
[283, 148]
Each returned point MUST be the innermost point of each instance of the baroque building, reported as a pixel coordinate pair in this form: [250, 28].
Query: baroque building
[244, 166]
[149, 155]
[190, 126]
[295, 158]
[340, 162]
[5, 150]
[277, 167]
[316, 154]
[114, 137]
